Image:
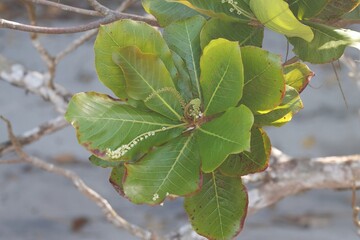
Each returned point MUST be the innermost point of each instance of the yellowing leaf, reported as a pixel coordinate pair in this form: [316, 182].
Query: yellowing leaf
[277, 16]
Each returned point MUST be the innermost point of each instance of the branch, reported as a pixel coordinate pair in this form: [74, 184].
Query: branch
[289, 176]
[67, 7]
[44, 54]
[99, 7]
[35, 134]
[114, 16]
[101, 202]
[34, 82]
[88, 35]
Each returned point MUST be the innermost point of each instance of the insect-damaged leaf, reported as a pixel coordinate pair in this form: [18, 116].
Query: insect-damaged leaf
[103, 123]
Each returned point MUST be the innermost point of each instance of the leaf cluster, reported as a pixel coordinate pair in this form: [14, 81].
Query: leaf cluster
[191, 102]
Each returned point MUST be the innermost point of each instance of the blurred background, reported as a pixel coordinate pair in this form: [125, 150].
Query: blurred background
[38, 205]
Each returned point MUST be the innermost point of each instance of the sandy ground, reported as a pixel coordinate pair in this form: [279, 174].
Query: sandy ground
[36, 205]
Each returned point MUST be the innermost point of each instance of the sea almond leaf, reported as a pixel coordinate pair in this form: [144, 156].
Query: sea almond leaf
[172, 169]
[121, 34]
[277, 16]
[183, 37]
[221, 81]
[103, 123]
[116, 178]
[247, 162]
[264, 85]
[148, 80]
[244, 34]
[167, 12]
[219, 209]
[282, 114]
[225, 135]
[298, 75]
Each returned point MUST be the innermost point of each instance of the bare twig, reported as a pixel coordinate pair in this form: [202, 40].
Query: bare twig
[88, 35]
[81, 28]
[101, 202]
[46, 57]
[34, 82]
[67, 7]
[99, 7]
[75, 44]
[35, 134]
[11, 161]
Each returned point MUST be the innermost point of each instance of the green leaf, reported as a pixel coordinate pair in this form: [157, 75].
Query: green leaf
[183, 37]
[307, 8]
[167, 12]
[116, 179]
[277, 16]
[221, 80]
[282, 114]
[354, 15]
[172, 169]
[103, 163]
[104, 123]
[336, 8]
[329, 44]
[264, 80]
[239, 11]
[233, 31]
[183, 81]
[218, 211]
[298, 75]
[147, 79]
[247, 162]
[225, 135]
[121, 34]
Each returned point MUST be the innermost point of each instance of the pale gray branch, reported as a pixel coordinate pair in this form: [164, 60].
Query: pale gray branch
[34, 82]
[88, 35]
[99, 7]
[35, 134]
[67, 7]
[111, 17]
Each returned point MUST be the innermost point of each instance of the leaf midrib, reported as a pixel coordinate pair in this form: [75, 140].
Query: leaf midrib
[175, 162]
[218, 204]
[218, 85]
[152, 89]
[218, 136]
[193, 60]
[124, 120]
